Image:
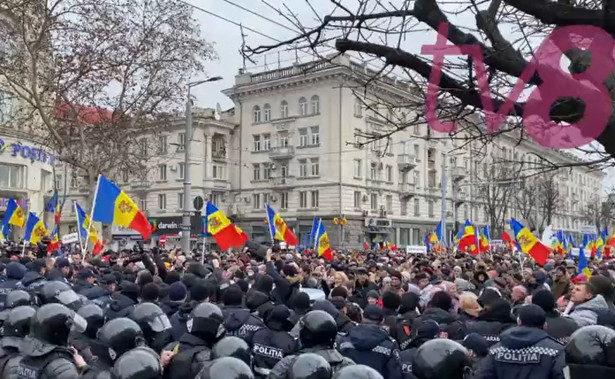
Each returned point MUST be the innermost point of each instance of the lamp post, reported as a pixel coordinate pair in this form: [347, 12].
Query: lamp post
[187, 184]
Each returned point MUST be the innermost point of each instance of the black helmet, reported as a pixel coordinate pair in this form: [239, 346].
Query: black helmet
[53, 322]
[138, 363]
[317, 328]
[206, 322]
[15, 298]
[232, 347]
[120, 335]
[227, 368]
[310, 366]
[151, 319]
[95, 317]
[440, 358]
[592, 345]
[17, 325]
[60, 292]
[358, 372]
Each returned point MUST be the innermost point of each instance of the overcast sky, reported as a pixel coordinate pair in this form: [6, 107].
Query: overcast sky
[227, 39]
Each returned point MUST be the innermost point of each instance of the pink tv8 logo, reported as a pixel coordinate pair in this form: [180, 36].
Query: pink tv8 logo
[587, 86]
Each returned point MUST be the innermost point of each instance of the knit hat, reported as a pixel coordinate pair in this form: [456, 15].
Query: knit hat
[532, 315]
[427, 329]
[177, 291]
[301, 301]
[373, 313]
[373, 294]
[391, 300]
[130, 290]
[264, 283]
[544, 299]
[150, 292]
[477, 343]
[409, 302]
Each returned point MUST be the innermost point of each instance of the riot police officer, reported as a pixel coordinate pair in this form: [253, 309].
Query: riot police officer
[273, 343]
[86, 341]
[18, 298]
[232, 347]
[138, 363]
[227, 368]
[14, 273]
[101, 295]
[317, 333]
[59, 292]
[205, 328]
[590, 353]
[154, 323]
[441, 358]
[310, 366]
[358, 372]
[45, 351]
[34, 277]
[15, 328]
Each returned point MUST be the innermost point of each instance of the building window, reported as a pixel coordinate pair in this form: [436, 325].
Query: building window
[315, 104]
[267, 112]
[143, 204]
[182, 170]
[403, 207]
[162, 172]
[162, 201]
[256, 114]
[257, 171]
[303, 199]
[358, 108]
[214, 197]
[315, 169]
[315, 136]
[283, 109]
[303, 107]
[357, 199]
[417, 130]
[358, 168]
[284, 200]
[389, 203]
[314, 199]
[180, 200]
[162, 144]
[74, 178]
[143, 146]
[284, 170]
[59, 182]
[389, 173]
[256, 201]
[11, 176]
[219, 172]
[266, 198]
[374, 201]
[430, 210]
[372, 171]
[416, 177]
[266, 142]
[417, 208]
[181, 141]
[6, 107]
[303, 137]
[266, 171]
[302, 168]
[257, 143]
[283, 139]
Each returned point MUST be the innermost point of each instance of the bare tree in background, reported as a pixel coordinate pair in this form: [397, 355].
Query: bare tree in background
[548, 200]
[497, 195]
[88, 78]
[506, 32]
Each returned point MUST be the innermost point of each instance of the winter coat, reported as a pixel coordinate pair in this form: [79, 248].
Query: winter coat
[560, 328]
[239, 322]
[587, 313]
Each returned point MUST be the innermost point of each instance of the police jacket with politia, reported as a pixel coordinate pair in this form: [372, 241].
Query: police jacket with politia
[269, 347]
[9, 357]
[371, 345]
[44, 361]
[239, 322]
[407, 355]
[336, 360]
[489, 329]
[523, 353]
[560, 328]
[191, 354]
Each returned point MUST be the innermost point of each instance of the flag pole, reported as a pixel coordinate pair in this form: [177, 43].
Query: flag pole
[269, 225]
[91, 214]
[78, 226]
[23, 249]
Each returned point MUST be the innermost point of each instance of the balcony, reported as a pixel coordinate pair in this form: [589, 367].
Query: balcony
[285, 182]
[406, 187]
[406, 162]
[433, 191]
[283, 152]
[219, 155]
[459, 173]
[140, 185]
[460, 197]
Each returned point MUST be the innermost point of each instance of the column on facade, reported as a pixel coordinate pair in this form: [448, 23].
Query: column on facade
[207, 169]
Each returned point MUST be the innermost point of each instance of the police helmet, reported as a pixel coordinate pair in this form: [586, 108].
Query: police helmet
[60, 292]
[206, 322]
[95, 317]
[310, 366]
[227, 368]
[17, 323]
[441, 358]
[151, 319]
[52, 324]
[16, 298]
[232, 347]
[138, 363]
[120, 335]
[358, 372]
[592, 345]
[317, 328]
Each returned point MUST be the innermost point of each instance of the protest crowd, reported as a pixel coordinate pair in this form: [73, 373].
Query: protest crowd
[253, 311]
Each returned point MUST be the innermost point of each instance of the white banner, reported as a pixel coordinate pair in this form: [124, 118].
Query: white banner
[70, 238]
[416, 249]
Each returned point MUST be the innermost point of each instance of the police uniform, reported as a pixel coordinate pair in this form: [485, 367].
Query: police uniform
[40, 363]
[269, 347]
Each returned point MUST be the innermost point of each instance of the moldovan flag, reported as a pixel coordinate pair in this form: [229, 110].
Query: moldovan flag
[13, 215]
[468, 239]
[583, 269]
[529, 244]
[222, 229]
[507, 240]
[55, 241]
[83, 224]
[35, 229]
[53, 206]
[322, 243]
[278, 228]
[113, 206]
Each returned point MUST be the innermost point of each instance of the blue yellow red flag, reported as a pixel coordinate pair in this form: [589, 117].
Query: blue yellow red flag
[87, 230]
[222, 229]
[469, 239]
[13, 215]
[35, 229]
[323, 248]
[53, 206]
[529, 244]
[54, 244]
[278, 228]
[583, 269]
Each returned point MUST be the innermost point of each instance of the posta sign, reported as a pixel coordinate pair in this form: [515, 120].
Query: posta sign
[26, 152]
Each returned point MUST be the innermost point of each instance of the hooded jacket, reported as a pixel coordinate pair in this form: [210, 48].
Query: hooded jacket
[524, 353]
[178, 319]
[371, 345]
[239, 322]
[30, 281]
[587, 313]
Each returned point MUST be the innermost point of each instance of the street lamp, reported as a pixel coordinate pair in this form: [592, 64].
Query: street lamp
[187, 184]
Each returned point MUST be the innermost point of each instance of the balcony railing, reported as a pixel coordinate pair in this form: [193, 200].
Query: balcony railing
[282, 152]
[285, 181]
[459, 173]
[406, 187]
[406, 161]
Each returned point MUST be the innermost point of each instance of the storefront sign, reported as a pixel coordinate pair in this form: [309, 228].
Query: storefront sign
[416, 249]
[23, 203]
[173, 225]
[27, 152]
